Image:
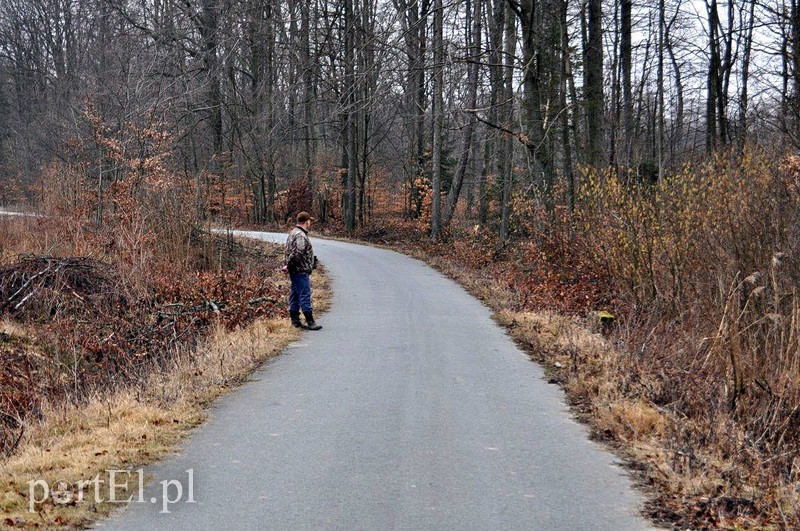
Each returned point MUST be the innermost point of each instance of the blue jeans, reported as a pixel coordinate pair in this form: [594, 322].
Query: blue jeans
[300, 296]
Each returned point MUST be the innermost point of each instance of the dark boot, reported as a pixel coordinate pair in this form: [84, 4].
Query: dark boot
[296, 319]
[310, 324]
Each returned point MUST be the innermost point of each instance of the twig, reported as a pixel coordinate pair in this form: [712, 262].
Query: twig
[19, 438]
[260, 300]
[26, 284]
[18, 421]
[20, 303]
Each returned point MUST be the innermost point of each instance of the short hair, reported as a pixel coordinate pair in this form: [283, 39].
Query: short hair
[302, 217]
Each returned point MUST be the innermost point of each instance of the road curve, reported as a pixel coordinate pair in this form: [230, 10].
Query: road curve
[411, 409]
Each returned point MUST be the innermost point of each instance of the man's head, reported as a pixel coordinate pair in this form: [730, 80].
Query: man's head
[304, 220]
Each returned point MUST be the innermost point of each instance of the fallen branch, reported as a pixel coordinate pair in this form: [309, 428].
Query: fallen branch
[261, 300]
[204, 306]
[24, 300]
[28, 283]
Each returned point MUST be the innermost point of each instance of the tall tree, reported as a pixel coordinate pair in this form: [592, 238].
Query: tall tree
[678, 113]
[368, 77]
[413, 21]
[626, 64]
[794, 66]
[537, 68]
[438, 118]
[506, 151]
[720, 66]
[713, 82]
[307, 67]
[491, 161]
[473, 45]
[747, 46]
[659, 129]
[261, 57]
[208, 19]
[351, 117]
[594, 82]
[566, 79]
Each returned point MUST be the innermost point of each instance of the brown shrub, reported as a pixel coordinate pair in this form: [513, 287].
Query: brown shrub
[705, 267]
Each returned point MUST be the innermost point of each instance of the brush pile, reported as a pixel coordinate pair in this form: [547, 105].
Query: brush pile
[43, 288]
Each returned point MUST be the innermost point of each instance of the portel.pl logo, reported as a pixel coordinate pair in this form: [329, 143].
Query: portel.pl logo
[118, 487]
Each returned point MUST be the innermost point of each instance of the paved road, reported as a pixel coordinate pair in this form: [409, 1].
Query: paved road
[411, 409]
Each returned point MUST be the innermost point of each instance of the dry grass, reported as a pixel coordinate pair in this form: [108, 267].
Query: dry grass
[7, 326]
[18, 235]
[116, 432]
[669, 465]
[134, 427]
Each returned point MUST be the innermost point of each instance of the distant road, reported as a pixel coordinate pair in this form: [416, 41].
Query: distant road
[411, 409]
[4, 212]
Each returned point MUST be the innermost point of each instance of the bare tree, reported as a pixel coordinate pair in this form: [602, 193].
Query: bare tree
[413, 20]
[594, 82]
[438, 117]
[473, 45]
[506, 148]
[351, 117]
[626, 64]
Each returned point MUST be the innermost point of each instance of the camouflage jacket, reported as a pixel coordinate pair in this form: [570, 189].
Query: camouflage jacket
[299, 254]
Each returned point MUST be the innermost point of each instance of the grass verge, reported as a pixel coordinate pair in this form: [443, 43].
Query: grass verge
[132, 427]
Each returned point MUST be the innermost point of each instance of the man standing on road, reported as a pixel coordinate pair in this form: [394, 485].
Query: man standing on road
[299, 262]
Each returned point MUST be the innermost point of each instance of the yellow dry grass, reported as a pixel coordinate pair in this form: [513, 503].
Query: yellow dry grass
[12, 329]
[132, 427]
[23, 235]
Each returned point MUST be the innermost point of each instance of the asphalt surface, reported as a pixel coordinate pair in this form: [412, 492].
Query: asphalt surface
[411, 409]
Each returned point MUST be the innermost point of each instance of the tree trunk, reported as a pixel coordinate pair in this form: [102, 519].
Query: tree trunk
[626, 61]
[307, 65]
[712, 82]
[660, 91]
[413, 19]
[540, 73]
[473, 42]
[491, 148]
[506, 154]
[594, 83]
[258, 59]
[272, 16]
[351, 137]
[677, 134]
[566, 73]
[438, 117]
[785, 81]
[794, 98]
[743, 96]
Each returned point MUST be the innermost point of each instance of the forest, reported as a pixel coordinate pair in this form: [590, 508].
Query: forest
[637, 158]
[478, 101]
